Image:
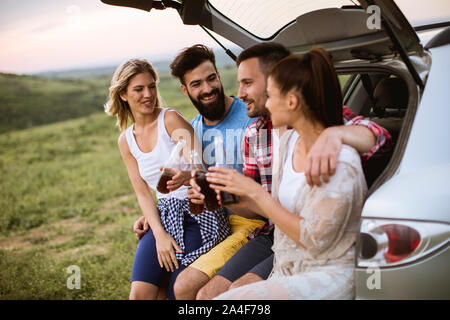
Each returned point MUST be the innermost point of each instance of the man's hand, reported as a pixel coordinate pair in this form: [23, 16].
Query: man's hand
[194, 193]
[321, 160]
[140, 227]
[180, 178]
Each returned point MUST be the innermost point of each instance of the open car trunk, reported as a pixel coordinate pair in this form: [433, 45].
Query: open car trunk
[372, 31]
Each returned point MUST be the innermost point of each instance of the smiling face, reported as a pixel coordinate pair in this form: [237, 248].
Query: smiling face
[141, 94]
[252, 87]
[203, 86]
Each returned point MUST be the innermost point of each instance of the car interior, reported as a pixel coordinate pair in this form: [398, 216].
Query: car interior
[383, 99]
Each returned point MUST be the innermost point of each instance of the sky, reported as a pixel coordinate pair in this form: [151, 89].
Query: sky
[44, 35]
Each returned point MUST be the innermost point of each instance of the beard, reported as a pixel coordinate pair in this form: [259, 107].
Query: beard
[212, 111]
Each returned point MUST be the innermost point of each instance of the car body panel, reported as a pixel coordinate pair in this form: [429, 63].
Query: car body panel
[428, 278]
[427, 146]
[422, 195]
[424, 168]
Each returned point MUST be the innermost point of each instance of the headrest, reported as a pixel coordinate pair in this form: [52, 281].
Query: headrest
[391, 93]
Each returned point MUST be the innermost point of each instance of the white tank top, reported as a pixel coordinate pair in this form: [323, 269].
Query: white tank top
[150, 162]
[291, 180]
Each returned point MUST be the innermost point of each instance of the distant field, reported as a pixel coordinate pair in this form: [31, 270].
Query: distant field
[28, 101]
[66, 199]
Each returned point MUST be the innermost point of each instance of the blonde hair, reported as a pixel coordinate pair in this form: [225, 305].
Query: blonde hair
[115, 106]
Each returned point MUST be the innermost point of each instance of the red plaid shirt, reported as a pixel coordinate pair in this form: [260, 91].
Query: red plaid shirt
[258, 152]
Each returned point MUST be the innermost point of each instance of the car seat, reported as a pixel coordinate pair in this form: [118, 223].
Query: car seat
[390, 99]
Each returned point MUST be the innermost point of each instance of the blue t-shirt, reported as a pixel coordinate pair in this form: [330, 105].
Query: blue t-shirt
[231, 129]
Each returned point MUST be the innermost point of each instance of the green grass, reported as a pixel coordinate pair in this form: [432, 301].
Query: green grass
[61, 185]
[28, 101]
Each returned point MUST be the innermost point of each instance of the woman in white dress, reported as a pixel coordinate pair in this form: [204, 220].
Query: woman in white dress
[315, 227]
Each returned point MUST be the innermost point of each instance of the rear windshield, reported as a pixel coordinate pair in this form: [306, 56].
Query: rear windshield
[419, 12]
[263, 18]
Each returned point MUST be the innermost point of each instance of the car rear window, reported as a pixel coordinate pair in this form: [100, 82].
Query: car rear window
[263, 18]
[421, 13]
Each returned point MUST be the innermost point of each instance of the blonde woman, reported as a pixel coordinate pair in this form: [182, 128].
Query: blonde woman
[176, 237]
[315, 227]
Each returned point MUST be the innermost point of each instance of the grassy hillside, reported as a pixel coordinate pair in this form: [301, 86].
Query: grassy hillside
[28, 101]
[65, 200]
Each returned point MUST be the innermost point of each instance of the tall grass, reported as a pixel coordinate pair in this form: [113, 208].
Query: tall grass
[60, 184]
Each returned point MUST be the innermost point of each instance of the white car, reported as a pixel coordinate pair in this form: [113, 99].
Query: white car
[403, 248]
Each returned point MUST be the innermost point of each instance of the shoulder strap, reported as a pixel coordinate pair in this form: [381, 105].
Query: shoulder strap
[278, 164]
[132, 144]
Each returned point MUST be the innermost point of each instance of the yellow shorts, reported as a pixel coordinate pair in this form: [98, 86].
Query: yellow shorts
[211, 262]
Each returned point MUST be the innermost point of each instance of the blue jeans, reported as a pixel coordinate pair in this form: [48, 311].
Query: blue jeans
[146, 266]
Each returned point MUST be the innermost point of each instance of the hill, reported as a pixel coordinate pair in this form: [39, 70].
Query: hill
[162, 66]
[66, 200]
[27, 101]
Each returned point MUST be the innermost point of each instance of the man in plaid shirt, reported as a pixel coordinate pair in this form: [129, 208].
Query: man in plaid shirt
[254, 261]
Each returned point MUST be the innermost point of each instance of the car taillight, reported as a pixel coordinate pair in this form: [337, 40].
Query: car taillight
[402, 241]
[386, 243]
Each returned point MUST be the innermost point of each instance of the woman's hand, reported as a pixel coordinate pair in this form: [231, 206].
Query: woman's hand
[229, 180]
[165, 246]
[140, 227]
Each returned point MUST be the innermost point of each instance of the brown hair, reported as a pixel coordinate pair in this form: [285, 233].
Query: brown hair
[190, 58]
[313, 76]
[268, 54]
[119, 83]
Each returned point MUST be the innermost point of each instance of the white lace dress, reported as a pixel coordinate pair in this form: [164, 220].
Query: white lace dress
[320, 265]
